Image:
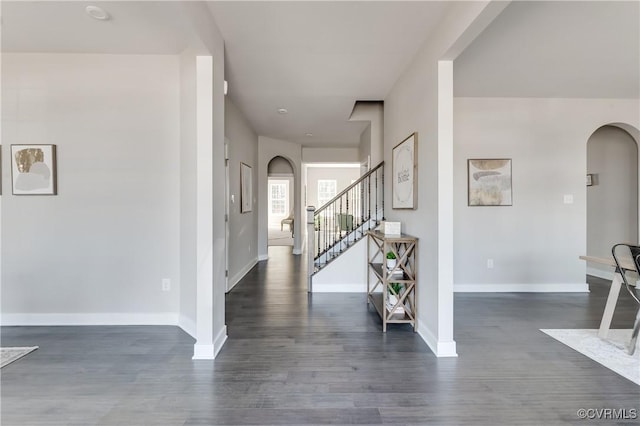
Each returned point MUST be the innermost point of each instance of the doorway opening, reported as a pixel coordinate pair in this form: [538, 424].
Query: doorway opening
[612, 193]
[280, 202]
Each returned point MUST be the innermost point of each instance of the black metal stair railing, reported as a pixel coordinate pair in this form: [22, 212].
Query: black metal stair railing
[347, 217]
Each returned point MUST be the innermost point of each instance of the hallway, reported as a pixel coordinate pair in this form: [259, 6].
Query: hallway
[297, 359]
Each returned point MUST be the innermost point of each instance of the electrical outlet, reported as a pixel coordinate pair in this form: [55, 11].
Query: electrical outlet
[489, 263]
[166, 284]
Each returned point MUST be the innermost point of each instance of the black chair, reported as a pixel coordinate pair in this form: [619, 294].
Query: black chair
[636, 324]
[634, 251]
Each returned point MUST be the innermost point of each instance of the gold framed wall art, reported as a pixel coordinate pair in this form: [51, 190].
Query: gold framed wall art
[33, 170]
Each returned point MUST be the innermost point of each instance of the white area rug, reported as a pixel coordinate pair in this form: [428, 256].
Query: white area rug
[280, 238]
[612, 352]
[8, 355]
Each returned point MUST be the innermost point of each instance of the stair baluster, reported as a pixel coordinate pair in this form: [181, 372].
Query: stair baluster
[346, 218]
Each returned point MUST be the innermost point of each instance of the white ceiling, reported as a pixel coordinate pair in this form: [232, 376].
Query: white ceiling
[574, 49]
[313, 58]
[135, 27]
[317, 58]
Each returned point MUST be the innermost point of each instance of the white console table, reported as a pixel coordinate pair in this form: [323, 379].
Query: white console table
[614, 291]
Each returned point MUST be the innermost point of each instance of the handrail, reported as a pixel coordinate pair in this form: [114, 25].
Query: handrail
[353, 185]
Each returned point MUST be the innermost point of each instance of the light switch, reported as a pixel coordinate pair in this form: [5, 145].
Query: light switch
[568, 198]
[233, 198]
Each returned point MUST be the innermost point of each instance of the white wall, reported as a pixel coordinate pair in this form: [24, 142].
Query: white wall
[243, 227]
[342, 175]
[96, 252]
[371, 139]
[188, 182]
[535, 243]
[3, 176]
[267, 149]
[345, 274]
[364, 149]
[330, 155]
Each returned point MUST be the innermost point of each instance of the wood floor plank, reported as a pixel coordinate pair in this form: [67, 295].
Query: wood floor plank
[294, 358]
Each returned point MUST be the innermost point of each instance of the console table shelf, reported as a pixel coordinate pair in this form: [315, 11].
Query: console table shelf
[392, 306]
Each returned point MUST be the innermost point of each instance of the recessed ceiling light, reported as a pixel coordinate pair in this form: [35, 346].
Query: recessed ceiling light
[282, 111]
[97, 13]
[310, 135]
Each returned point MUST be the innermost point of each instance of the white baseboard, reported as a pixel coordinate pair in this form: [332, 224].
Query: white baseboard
[339, 288]
[521, 288]
[440, 349]
[219, 341]
[187, 325]
[167, 318]
[263, 257]
[204, 352]
[209, 352]
[237, 277]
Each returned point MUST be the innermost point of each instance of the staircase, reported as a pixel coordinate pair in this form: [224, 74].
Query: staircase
[344, 220]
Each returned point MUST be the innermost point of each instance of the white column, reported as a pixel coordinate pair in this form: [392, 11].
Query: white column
[219, 226]
[203, 348]
[446, 344]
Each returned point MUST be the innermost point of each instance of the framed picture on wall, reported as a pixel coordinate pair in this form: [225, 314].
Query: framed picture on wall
[246, 191]
[404, 164]
[489, 182]
[33, 169]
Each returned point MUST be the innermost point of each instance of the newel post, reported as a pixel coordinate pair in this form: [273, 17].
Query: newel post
[311, 244]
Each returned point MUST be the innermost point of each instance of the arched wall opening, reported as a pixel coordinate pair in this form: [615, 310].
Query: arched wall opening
[281, 197]
[268, 148]
[612, 190]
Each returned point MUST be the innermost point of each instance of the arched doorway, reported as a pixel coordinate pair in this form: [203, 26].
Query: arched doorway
[280, 202]
[612, 191]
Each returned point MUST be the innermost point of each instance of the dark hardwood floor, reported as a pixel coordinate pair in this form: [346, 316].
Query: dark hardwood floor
[297, 359]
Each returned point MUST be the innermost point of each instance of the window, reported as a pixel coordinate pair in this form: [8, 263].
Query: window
[278, 198]
[326, 191]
